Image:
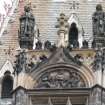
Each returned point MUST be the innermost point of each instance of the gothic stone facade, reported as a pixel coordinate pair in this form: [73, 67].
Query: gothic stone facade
[53, 54]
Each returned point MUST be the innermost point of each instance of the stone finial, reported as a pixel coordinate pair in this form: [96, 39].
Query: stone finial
[63, 29]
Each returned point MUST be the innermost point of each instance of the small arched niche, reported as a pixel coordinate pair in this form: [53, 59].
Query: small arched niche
[76, 28]
[73, 33]
[7, 85]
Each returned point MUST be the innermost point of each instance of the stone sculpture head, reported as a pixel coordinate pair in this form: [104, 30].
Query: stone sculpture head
[99, 7]
[27, 8]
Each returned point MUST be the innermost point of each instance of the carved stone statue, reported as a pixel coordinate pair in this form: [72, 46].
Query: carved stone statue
[97, 64]
[61, 79]
[75, 44]
[20, 63]
[38, 45]
[98, 21]
[85, 44]
[26, 31]
[47, 45]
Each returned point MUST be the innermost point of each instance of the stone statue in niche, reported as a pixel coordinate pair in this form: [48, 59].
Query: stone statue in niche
[98, 21]
[26, 31]
[61, 79]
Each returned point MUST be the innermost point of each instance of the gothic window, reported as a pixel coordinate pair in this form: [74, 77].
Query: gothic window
[73, 33]
[7, 85]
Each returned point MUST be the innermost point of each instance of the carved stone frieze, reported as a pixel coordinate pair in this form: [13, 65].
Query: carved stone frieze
[85, 44]
[38, 45]
[61, 79]
[47, 45]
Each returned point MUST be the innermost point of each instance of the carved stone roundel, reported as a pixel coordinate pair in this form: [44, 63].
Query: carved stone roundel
[61, 79]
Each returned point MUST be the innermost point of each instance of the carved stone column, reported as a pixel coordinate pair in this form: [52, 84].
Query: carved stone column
[63, 29]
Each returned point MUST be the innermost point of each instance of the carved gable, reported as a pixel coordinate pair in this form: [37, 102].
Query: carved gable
[59, 71]
[61, 55]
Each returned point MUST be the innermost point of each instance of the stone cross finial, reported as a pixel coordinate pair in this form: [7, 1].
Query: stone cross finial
[63, 29]
[74, 5]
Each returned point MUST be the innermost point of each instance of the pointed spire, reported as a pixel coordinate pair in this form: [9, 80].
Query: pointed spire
[49, 101]
[68, 101]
